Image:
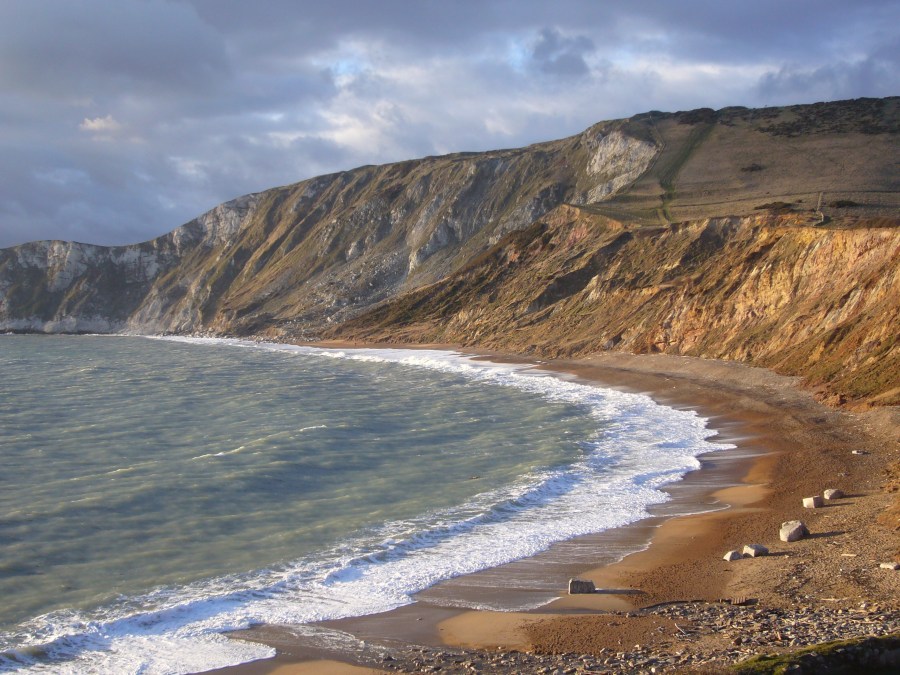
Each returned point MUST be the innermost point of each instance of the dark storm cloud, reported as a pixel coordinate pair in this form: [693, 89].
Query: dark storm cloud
[74, 48]
[121, 120]
[557, 54]
[869, 77]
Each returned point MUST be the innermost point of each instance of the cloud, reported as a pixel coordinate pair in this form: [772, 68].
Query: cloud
[106, 124]
[66, 49]
[874, 76]
[556, 54]
[120, 121]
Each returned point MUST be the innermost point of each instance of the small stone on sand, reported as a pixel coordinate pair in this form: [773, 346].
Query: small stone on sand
[793, 530]
[755, 550]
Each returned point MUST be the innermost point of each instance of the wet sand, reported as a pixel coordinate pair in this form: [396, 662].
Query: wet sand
[788, 446]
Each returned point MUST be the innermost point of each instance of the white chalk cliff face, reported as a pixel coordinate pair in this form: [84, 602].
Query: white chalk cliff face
[313, 253]
[56, 286]
[618, 160]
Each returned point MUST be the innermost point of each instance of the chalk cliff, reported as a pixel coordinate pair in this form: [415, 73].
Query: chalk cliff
[316, 251]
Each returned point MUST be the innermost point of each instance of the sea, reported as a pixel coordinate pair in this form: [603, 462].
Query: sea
[159, 492]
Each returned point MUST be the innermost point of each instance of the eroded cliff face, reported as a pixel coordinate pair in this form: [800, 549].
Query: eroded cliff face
[687, 233]
[295, 258]
[772, 290]
[56, 286]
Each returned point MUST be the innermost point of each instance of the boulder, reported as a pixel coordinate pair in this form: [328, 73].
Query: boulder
[890, 566]
[577, 586]
[813, 502]
[793, 530]
[755, 550]
[732, 555]
[833, 494]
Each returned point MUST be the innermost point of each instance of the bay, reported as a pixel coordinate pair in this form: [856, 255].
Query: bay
[157, 493]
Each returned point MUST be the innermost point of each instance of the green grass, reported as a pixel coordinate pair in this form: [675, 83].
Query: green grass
[669, 173]
[838, 656]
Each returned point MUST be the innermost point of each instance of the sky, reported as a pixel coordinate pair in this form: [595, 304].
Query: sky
[123, 119]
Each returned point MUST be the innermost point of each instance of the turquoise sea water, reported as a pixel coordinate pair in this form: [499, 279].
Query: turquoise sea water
[159, 492]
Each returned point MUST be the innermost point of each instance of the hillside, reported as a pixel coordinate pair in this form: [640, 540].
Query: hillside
[772, 290]
[686, 233]
[298, 257]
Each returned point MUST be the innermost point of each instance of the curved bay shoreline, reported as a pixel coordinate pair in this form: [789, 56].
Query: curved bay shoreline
[662, 602]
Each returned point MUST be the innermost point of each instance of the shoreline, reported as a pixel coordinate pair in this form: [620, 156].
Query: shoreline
[766, 415]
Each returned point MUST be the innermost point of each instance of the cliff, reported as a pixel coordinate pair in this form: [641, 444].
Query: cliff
[305, 255]
[771, 290]
[702, 232]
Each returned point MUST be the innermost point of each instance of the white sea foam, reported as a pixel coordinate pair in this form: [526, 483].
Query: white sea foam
[641, 447]
[315, 426]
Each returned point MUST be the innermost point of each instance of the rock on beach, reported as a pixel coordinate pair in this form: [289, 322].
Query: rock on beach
[579, 586]
[755, 550]
[793, 530]
[813, 502]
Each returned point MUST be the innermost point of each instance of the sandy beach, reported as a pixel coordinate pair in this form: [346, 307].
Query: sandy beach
[674, 600]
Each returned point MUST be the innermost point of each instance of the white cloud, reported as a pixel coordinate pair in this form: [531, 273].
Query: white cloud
[192, 169]
[100, 125]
